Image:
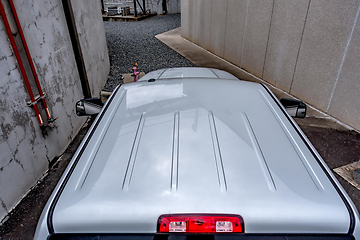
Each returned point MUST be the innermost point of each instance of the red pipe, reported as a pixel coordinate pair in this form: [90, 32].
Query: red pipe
[42, 96]
[21, 66]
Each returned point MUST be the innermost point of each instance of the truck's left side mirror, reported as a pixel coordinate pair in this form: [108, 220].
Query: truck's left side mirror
[88, 106]
[295, 108]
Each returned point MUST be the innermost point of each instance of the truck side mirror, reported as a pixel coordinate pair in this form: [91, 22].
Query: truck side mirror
[88, 106]
[295, 108]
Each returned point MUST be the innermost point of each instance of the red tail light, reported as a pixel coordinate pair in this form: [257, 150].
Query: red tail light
[200, 223]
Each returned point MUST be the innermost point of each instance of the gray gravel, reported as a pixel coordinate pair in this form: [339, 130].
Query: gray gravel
[135, 42]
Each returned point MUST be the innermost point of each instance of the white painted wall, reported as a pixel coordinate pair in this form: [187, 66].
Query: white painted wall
[25, 153]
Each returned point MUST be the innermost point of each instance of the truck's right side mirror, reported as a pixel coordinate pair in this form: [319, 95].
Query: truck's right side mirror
[88, 106]
[295, 108]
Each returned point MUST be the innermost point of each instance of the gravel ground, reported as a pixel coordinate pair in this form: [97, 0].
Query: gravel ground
[135, 42]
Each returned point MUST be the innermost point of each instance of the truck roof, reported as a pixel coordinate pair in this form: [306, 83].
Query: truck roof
[197, 142]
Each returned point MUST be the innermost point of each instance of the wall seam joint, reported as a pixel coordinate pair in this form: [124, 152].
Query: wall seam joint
[268, 39]
[243, 38]
[343, 60]
[298, 53]
[227, 8]
[210, 23]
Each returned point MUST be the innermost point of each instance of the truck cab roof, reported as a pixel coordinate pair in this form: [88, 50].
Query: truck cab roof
[196, 141]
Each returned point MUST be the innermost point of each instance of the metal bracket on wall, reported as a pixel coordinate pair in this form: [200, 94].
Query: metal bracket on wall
[37, 99]
[33, 100]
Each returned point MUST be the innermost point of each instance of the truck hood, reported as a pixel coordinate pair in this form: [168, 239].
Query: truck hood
[195, 145]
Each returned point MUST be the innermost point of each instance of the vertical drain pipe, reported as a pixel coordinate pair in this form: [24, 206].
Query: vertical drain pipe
[21, 66]
[70, 20]
[42, 96]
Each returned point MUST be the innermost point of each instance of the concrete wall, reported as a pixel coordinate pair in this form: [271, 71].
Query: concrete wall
[91, 32]
[25, 153]
[173, 6]
[308, 48]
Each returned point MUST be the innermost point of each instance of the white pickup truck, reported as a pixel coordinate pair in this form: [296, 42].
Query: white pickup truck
[195, 153]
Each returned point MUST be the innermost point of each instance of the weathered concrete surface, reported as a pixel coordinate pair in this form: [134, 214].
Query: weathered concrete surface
[92, 37]
[326, 35]
[195, 22]
[190, 19]
[345, 101]
[204, 25]
[26, 154]
[185, 31]
[235, 24]
[194, 15]
[173, 6]
[29, 153]
[287, 26]
[21, 222]
[198, 55]
[218, 26]
[258, 19]
[307, 48]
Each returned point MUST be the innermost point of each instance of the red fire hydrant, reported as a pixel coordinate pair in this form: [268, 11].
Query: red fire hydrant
[135, 72]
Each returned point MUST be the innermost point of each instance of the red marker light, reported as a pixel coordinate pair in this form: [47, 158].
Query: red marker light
[200, 223]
